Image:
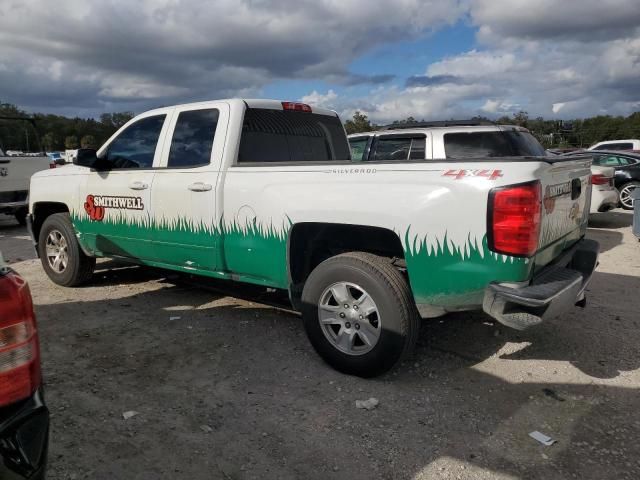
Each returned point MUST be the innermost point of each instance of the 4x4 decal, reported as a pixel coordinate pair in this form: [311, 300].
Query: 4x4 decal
[96, 204]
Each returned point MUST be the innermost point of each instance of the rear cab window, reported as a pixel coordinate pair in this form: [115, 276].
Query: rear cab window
[270, 136]
[497, 143]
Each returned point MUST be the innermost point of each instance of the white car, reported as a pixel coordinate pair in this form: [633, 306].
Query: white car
[604, 196]
[628, 144]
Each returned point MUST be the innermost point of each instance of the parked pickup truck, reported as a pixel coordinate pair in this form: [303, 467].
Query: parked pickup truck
[16, 169]
[266, 192]
[15, 172]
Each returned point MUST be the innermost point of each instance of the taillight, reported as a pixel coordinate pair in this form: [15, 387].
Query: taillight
[599, 179]
[52, 164]
[19, 348]
[297, 106]
[514, 219]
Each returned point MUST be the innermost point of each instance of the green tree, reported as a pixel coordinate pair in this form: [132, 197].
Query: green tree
[49, 141]
[88, 141]
[359, 123]
[71, 142]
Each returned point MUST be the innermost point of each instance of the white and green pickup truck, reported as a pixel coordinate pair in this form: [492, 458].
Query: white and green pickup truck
[266, 192]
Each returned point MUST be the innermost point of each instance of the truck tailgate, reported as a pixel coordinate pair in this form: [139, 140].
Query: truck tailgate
[566, 193]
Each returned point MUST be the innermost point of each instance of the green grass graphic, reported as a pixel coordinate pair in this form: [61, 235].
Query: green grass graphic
[447, 274]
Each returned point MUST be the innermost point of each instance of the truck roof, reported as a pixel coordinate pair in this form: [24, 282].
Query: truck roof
[252, 103]
[448, 126]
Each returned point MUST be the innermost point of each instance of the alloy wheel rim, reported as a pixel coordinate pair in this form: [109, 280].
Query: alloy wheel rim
[57, 251]
[625, 195]
[349, 318]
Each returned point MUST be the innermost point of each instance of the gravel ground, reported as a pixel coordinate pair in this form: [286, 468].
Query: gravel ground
[231, 389]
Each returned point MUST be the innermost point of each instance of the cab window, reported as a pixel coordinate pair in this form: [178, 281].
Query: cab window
[399, 148]
[135, 147]
[193, 138]
[358, 146]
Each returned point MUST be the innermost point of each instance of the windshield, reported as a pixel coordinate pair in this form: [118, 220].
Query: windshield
[511, 143]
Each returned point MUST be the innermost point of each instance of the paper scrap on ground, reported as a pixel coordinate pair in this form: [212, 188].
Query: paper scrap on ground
[129, 414]
[368, 404]
[542, 438]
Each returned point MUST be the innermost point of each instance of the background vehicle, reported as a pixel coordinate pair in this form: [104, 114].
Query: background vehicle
[15, 172]
[631, 144]
[265, 192]
[627, 172]
[24, 418]
[604, 195]
[445, 140]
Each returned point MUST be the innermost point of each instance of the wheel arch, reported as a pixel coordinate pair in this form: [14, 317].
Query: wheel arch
[40, 212]
[310, 243]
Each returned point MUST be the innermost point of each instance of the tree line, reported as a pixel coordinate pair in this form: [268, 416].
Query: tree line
[551, 133]
[48, 132]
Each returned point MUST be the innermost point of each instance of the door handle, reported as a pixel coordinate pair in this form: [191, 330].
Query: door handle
[200, 187]
[137, 185]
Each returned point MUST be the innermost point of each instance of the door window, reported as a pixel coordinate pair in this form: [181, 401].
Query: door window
[399, 148]
[135, 147]
[193, 138]
[358, 146]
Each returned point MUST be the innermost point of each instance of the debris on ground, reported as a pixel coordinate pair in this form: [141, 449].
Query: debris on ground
[206, 428]
[171, 319]
[367, 404]
[542, 438]
[131, 413]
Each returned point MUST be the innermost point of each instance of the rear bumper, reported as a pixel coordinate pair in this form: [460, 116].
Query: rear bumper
[604, 200]
[24, 439]
[551, 292]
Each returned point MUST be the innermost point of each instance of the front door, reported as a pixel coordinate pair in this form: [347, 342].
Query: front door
[185, 189]
[115, 217]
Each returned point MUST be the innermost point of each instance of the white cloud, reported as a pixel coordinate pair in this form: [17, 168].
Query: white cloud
[327, 100]
[138, 54]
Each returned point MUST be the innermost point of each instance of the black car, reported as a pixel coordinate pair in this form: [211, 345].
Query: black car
[627, 167]
[24, 417]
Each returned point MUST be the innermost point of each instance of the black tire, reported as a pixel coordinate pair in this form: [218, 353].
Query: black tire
[21, 216]
[79, 267]
[624, 191]
[399, 321]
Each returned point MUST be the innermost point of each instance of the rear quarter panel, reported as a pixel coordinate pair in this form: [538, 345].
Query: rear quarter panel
[438, 212]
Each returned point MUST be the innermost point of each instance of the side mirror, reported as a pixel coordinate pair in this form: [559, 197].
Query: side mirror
[86, 157]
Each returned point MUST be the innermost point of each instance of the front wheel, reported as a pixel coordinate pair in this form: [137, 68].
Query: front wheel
[62, 259]
[359, 314]
[626, 192]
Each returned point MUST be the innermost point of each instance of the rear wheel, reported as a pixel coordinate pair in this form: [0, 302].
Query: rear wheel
[626, 191]
[359, 314]
[62, 259]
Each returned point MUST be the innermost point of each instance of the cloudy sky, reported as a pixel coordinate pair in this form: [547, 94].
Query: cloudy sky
[429, 59]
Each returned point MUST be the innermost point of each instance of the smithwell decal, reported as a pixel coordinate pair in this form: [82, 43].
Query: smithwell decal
[554, 191]
[96, 204]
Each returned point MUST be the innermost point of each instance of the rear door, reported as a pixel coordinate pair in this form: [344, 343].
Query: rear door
[186, 233]
[115, 218]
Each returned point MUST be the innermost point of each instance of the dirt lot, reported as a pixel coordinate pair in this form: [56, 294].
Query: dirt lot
[231, 388]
